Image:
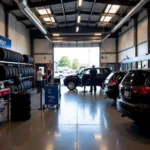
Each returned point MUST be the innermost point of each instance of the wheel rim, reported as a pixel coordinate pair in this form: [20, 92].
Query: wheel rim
[60, 76]
[71, 85]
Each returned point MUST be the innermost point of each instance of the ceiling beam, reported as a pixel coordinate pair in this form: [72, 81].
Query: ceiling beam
[93, 5]
[69, 22]
[70, 13]
[53, 2]
[83, 29]
[72, 30]
[63, 10]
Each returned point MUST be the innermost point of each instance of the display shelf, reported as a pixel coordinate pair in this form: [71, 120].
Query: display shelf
[11, 80]
[15, 63]
[23, 78]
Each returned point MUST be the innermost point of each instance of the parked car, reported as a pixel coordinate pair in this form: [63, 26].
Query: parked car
[59, 74]
[83, 78]
[111, 84]
[134, 95]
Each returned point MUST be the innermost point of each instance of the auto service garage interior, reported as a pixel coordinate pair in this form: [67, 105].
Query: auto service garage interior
[65, 114]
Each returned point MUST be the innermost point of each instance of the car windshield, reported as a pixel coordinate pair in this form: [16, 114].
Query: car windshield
[81, 71]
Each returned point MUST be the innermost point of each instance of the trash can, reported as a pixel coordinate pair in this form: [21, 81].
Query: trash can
[52, 94]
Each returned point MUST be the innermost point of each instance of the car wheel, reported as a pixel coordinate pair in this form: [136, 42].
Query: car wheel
[61, 76]
[71, 85]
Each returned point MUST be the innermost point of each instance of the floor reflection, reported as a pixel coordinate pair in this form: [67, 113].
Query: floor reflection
[83, 122]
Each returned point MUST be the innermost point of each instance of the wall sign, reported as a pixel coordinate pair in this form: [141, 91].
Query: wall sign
[5, 43]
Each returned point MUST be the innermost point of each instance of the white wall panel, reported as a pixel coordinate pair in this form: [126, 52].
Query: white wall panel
[108, 58]
[130, 53]
[42, 46]
[142, 31]
[19, 36]
[109, 45]
[126, 40]
[142, 49]
[125, 28]
[2, 21]
[42, 59]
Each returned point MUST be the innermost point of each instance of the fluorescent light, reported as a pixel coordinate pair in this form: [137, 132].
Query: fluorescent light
[79, 19]
[46, 19]
[80, 3]
[52, 19]
[107, 18]
[56, 34]
[77, 29]
[43, 11]
[102, 18]
[108, 8]
[97, 34]
[112, 9]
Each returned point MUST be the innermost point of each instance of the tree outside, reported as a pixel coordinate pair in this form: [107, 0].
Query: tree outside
[65, 62]
[75, 64]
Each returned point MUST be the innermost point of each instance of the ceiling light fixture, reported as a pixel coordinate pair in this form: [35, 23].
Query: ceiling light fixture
[80, 3]
[56, 34]
[98, 34]
[52, 19]
[107, 18]
[43, 10]
[102, 18]
[79, 19]
[77, 29]
[46, 19]
[112, 8]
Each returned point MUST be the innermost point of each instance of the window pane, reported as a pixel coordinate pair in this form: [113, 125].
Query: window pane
[139, 65]
[134, 65]
[145, 64]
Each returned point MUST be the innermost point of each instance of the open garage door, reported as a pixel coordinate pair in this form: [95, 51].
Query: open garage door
[70, 57]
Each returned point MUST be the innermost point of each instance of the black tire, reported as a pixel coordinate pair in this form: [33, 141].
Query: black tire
[26, 59]
[3, 54]
[71, 85]
[61, 76]
[21, 96]
[21, 117]
[13, 71]
[17, 110]
[10, 72]
[21, 103]
[8, 55]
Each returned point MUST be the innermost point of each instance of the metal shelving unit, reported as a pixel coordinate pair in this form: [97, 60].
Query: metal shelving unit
[15, 63]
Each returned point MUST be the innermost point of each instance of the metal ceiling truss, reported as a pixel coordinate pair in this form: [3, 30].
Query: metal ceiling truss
[93, 5]
[54, 2]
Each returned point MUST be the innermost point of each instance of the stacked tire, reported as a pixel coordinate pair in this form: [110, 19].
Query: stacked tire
[20, 106]
[28, 59]
[8, 72]
[8, 55]
[23, 86]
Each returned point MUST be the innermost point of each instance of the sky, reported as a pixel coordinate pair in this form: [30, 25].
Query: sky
[82, 54]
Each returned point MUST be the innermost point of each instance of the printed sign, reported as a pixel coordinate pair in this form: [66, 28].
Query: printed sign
[52, 95]
[5, 43]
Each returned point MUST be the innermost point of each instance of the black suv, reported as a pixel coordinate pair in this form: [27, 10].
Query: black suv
[134, 95]
[111, 84]
[83, 78]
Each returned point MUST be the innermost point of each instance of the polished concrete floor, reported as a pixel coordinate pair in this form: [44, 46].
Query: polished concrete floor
[83, 122]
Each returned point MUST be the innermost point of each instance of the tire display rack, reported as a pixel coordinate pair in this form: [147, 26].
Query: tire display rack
[15, 65]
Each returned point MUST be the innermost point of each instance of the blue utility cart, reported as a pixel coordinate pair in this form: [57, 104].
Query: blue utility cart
[52, 95]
